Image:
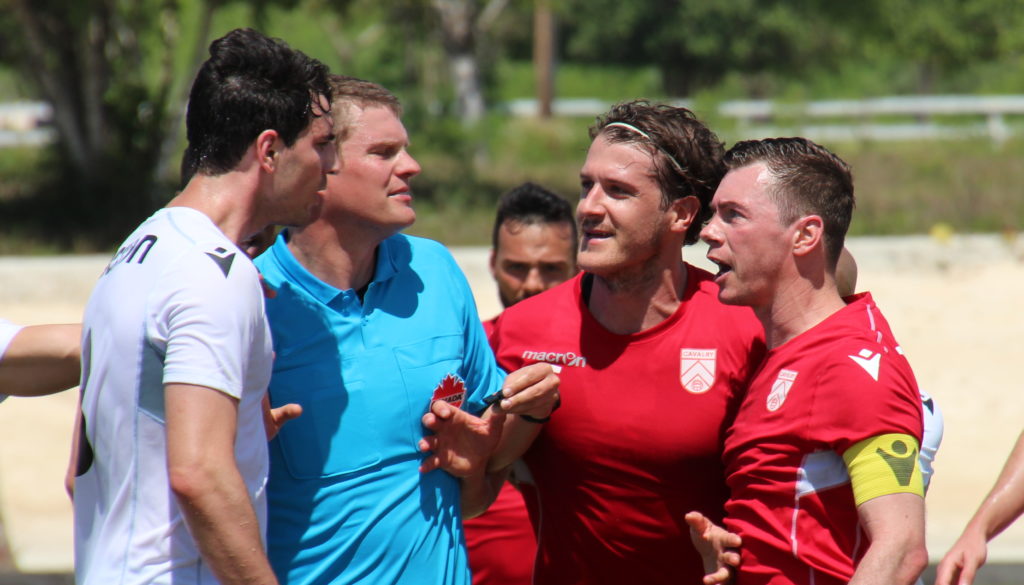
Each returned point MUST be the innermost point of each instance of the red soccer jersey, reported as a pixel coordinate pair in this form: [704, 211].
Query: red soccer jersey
[500, 542]
[489, 326]
[813, 398]
[637, 441]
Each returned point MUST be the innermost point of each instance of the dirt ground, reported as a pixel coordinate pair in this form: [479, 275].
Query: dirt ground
[955, 306]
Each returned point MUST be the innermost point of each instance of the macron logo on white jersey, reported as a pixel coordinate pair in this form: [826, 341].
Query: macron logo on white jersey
[566, 358]
[869, 361]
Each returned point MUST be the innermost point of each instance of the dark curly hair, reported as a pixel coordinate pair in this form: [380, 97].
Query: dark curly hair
[687, 155]
[250, 83]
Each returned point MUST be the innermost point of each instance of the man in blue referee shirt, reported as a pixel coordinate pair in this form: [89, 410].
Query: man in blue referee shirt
[371, 327]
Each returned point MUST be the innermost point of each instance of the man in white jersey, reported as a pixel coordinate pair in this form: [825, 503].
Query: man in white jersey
[176, 352]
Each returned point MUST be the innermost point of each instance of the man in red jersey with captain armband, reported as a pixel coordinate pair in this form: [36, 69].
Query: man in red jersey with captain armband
[822, 458]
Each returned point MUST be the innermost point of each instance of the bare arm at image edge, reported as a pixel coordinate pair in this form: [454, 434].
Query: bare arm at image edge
[41, 360]
[1003, 505]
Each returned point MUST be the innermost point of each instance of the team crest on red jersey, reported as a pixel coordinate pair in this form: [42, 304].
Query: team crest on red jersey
[452, 390]
[780, 389]
[697, 369]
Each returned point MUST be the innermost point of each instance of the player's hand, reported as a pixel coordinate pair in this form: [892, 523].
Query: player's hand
[962, 561]
[274, 418]
[461, 443]
[531, 390]
[717, 546]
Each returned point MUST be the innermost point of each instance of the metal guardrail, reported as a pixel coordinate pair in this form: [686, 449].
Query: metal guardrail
[28, 123]
[856, 119]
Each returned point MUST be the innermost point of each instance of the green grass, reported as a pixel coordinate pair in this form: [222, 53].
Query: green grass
[610, 83]
[20, 170]
[908, 187]
[901, 188]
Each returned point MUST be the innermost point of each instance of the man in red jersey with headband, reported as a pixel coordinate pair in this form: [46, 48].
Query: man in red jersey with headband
[651, 362]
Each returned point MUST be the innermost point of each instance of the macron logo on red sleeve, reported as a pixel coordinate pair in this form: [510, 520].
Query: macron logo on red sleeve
[869, 361]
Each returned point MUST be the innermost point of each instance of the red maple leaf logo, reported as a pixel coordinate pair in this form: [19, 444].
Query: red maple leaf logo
[451, 389]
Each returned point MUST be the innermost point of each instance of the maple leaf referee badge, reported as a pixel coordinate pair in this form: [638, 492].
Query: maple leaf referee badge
[697, 369]
[451, 389]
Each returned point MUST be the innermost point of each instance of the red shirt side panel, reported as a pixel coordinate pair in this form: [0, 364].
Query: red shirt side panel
[501, 542]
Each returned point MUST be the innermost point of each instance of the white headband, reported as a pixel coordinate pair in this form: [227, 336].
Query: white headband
[671, 158]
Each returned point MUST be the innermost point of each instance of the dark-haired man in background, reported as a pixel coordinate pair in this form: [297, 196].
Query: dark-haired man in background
[534, 249]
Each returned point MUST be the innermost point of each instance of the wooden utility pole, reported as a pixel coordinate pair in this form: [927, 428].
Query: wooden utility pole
[544, 56]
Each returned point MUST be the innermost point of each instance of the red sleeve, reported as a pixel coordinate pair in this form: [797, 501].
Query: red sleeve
[489, 326]
[852, 405]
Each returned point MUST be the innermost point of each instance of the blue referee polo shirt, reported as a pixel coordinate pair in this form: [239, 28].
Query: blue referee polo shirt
[346, 500]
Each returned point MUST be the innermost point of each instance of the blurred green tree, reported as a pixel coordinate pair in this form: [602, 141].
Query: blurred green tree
[111, 71]
[117, 75]
[697, 43]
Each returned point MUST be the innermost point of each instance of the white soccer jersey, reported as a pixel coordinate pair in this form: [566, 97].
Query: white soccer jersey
[931, 439]
[178, 303]
[7, 332]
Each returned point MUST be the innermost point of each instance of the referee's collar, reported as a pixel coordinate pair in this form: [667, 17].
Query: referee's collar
[320, 290]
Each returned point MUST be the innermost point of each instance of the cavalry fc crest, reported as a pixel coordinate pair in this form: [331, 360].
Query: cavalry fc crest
[780, 389]
[697, 369]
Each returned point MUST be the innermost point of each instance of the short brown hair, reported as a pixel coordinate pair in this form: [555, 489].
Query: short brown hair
[351, 91]
[807, 179]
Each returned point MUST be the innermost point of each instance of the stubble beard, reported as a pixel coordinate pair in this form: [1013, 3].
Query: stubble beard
[632, 278]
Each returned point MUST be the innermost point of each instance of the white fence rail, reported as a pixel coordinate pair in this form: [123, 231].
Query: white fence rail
[946, 117]
[965, 116]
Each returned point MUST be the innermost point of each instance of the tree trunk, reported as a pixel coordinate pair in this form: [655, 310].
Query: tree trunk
[459, 40]
[544, 56]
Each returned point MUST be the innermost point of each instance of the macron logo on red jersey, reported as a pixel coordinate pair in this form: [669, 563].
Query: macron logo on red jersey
[869, 361]
[565, 358]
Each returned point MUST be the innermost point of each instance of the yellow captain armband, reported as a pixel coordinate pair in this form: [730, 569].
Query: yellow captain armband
[883, 465]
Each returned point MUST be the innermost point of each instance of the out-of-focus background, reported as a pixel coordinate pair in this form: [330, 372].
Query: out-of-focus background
[925, 100]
